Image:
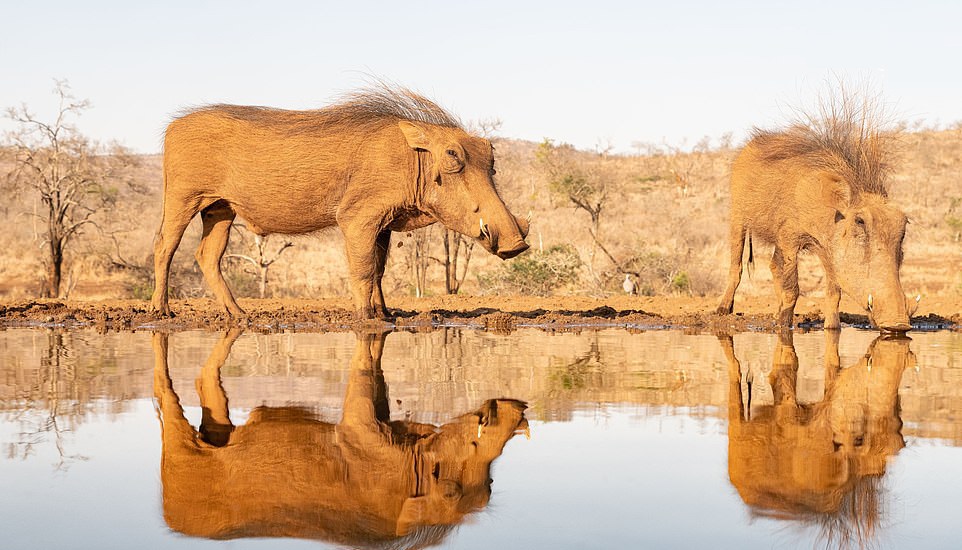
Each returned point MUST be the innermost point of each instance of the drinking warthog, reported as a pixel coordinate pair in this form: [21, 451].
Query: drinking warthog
[822, 187]
[365, 481]
[383, 160]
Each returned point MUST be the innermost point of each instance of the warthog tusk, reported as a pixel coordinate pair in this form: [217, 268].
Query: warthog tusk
[870, 302]
[868, 363]
[479, 430]
[485, 232]
[918, 299]
[528, 217]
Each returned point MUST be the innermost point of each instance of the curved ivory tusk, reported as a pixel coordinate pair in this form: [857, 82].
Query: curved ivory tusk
[479, 430]
[870, 302]
[915, 307]
[528, 217]
[485, 232]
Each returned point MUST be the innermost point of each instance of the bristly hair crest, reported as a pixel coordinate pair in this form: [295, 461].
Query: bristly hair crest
[847, 134]
[360, 111]
[383, 100]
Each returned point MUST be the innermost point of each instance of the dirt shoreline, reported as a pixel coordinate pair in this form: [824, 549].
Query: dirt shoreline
[495, 313]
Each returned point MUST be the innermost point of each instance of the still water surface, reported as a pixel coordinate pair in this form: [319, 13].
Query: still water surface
[637, 440]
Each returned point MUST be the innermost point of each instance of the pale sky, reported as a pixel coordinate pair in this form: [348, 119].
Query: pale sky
[577, 72]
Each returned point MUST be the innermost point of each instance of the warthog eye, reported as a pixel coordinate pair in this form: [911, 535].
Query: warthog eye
[453, 153]
[859, 220]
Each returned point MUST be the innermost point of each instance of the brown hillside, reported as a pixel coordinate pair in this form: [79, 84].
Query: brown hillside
[664, 220]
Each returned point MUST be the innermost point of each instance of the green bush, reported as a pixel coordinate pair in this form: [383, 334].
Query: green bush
[681, 282]
[534, 273]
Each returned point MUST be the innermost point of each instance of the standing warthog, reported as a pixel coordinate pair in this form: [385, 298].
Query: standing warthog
[821, 186]
[383, 160]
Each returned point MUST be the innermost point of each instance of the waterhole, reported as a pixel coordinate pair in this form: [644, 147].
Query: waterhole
[460, 438]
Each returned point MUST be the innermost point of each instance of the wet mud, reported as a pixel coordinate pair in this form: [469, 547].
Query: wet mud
[492, 313]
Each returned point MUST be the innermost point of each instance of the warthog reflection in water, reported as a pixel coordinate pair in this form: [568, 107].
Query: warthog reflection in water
[365, 481]
[824, 461]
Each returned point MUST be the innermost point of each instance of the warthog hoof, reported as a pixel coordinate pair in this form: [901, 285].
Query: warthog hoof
[724, 310]
[235, 312]
[161, 311]
[364, 314]
[785, 318]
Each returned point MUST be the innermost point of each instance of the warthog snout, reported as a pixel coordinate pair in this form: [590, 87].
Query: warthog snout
[508, 253]
[894, 316]
[492, 238]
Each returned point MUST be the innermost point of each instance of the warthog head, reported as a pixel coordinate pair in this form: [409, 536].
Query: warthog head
[456, 464]
[866, 256]
[458, 187]
[864, 405]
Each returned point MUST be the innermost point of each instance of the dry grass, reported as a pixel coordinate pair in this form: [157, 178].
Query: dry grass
[665, 219]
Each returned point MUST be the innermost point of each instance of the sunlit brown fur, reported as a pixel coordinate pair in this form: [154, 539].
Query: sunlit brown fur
[821, 186]
[382, 160]
[364, 481]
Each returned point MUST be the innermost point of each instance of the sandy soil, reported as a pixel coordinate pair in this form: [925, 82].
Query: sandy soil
[498, 313]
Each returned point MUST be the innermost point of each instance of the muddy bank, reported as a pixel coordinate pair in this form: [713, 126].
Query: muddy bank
[496, 313]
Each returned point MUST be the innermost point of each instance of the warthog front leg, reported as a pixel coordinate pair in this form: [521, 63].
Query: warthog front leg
[833, 292]
[833, 295]
[381, 247]
[360, 243]
[785, 274]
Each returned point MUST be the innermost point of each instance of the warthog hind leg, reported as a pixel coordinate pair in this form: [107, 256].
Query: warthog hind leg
[737, 242]
[176, 216]
[785, 274]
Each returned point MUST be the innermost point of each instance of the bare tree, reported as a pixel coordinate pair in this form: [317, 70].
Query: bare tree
[261, 258]
[569, 178]
[73, 178]
[454, 244]
[587, 187]
[419, 259]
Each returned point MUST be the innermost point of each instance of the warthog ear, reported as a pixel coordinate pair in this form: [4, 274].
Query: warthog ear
[416, 137]
[836, 192]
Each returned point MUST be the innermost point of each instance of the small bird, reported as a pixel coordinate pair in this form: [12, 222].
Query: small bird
[628, 284]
